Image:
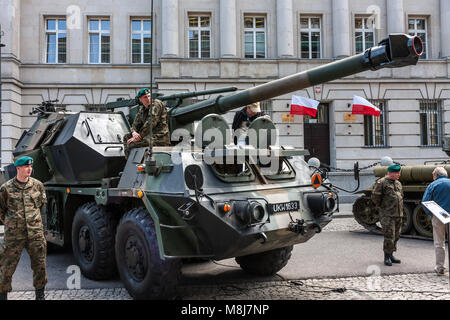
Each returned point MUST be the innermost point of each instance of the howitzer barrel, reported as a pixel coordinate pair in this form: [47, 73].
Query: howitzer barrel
[417, 174]
[185, 95]
[396, 51]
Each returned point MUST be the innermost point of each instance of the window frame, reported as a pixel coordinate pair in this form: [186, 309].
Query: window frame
[310, 30]
[364, 31]
[199, 29]
[141, 32]
[425, 54]
[56, 32]
[382, 105]
[254, 30]
[99, 32]
[439, 122]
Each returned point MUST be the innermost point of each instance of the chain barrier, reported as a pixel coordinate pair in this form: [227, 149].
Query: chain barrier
[351, 170]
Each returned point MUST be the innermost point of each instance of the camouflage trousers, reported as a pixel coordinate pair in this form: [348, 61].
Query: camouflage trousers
[10, 253]
[158, 140]
[138, 144]
[391, 227]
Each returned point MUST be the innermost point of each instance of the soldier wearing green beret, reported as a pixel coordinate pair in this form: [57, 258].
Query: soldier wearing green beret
[388, 198]
[140, 130]
[21, 201]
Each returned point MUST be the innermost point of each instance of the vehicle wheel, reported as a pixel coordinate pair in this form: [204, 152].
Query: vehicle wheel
[407, 223]
[366, 214]
[265, 263]
[93, 238]
[422, 222]
[143, 272]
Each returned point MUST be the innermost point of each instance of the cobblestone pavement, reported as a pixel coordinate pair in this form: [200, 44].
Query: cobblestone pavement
[425, 286]
[418, 286]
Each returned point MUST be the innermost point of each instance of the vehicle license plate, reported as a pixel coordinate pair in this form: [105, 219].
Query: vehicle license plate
[284, 206]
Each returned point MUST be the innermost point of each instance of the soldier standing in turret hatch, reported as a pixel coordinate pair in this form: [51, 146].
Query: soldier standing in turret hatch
[21, 201]
[388, 198]
[244, 117]
[140, 130]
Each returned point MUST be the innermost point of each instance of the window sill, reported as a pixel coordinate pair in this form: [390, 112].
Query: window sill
[376, 147]
[430, 147]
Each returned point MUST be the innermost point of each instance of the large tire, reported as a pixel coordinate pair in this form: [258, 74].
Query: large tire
[265, 263]
[407, 222]
[93, 235]
[144, 274]
[422, 222]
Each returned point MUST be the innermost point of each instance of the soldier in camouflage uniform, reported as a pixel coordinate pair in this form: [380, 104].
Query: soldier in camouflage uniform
[388, 198]
[21, 201]
[139, 136]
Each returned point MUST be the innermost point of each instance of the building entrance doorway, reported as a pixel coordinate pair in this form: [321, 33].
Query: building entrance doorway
[317, 134]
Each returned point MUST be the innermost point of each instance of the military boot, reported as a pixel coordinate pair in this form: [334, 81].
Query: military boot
[40, 294]
[3, 295]
[395, 260]
[387, 259]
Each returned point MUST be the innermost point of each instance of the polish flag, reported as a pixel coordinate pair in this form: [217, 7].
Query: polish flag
[362, 106]
[304, 106]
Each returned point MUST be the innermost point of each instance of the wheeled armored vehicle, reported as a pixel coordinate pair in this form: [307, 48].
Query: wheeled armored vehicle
[203, 197]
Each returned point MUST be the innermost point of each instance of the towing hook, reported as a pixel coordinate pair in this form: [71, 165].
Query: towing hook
[317, 226]
[264, 237]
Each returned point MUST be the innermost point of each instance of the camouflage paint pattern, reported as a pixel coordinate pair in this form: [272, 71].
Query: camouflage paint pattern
[388, 198]
[144, 122]
[20, 211]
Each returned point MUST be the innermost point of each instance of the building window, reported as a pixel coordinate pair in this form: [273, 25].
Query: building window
[255, 37]
[364, 33]
[99, 41]
[430, 123]
[375, 127]
[141, 39]
[199, 36]
[310, 37]
[56, 41]
[418, 27]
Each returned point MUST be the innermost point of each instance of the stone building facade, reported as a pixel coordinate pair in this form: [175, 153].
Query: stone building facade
[87, 53]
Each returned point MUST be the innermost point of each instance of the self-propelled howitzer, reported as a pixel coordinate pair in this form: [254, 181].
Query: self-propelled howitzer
[212, 200]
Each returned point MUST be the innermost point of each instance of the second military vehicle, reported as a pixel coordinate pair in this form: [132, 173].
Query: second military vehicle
[205, 197]
[415, 180]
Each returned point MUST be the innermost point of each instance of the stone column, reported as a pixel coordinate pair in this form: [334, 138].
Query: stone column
[11, 112]
[445, 28]
[341, 28]
[395, 16]
[228, 29]
[169, 21]
[285, 29]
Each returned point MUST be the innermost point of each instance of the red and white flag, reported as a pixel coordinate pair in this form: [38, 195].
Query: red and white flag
[362, 106]
[304, 106]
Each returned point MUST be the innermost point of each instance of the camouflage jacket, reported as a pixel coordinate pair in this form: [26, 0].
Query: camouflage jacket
[20, 208]
[159, 125]
[388, 197]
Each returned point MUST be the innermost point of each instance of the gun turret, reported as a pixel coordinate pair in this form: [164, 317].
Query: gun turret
[397, 50]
